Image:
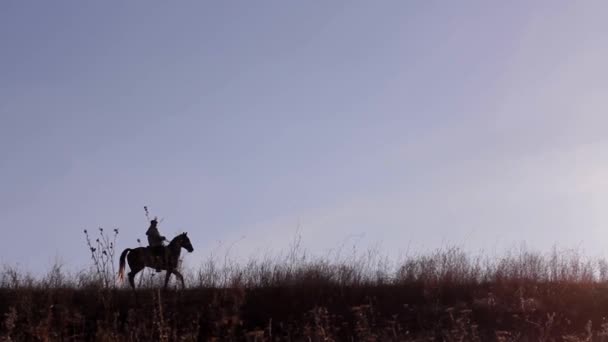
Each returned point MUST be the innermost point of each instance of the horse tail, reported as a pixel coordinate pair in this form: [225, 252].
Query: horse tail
[121, 269]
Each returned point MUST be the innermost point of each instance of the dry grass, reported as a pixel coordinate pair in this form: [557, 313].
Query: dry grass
[443, 296]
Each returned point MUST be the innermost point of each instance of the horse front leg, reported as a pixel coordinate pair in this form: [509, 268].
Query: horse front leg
[167, 276]
[180, 277]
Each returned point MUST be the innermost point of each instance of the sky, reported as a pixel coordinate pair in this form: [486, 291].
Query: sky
[410, 125]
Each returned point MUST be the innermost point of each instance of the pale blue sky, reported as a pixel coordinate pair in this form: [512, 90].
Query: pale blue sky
[406, 123]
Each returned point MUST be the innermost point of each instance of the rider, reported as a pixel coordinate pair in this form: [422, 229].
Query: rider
[155, 242]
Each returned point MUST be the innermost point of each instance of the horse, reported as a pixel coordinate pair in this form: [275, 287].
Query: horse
[142, 257]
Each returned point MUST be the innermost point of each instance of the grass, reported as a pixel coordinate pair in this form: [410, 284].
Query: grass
[446, 295]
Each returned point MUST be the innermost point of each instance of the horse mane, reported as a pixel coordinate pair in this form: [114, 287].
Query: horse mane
[176, 238]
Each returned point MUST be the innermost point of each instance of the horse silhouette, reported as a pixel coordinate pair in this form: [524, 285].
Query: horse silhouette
[142, 257]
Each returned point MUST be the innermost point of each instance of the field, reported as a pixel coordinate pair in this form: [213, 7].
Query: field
[446, 295]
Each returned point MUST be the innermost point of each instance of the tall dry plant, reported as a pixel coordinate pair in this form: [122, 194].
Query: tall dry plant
[102, 251]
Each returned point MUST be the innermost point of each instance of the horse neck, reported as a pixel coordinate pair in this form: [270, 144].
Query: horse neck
[175, 246]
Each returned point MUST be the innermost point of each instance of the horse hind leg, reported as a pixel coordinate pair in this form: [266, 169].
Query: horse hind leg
[132, 280]
[136, 264]
[132, 277]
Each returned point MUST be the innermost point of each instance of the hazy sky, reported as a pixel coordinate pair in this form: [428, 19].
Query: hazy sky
[405, 123]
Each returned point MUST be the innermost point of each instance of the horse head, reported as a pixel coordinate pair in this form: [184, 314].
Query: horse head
[184, 242]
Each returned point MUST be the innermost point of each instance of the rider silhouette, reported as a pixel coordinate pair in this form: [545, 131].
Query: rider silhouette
[155, 242]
